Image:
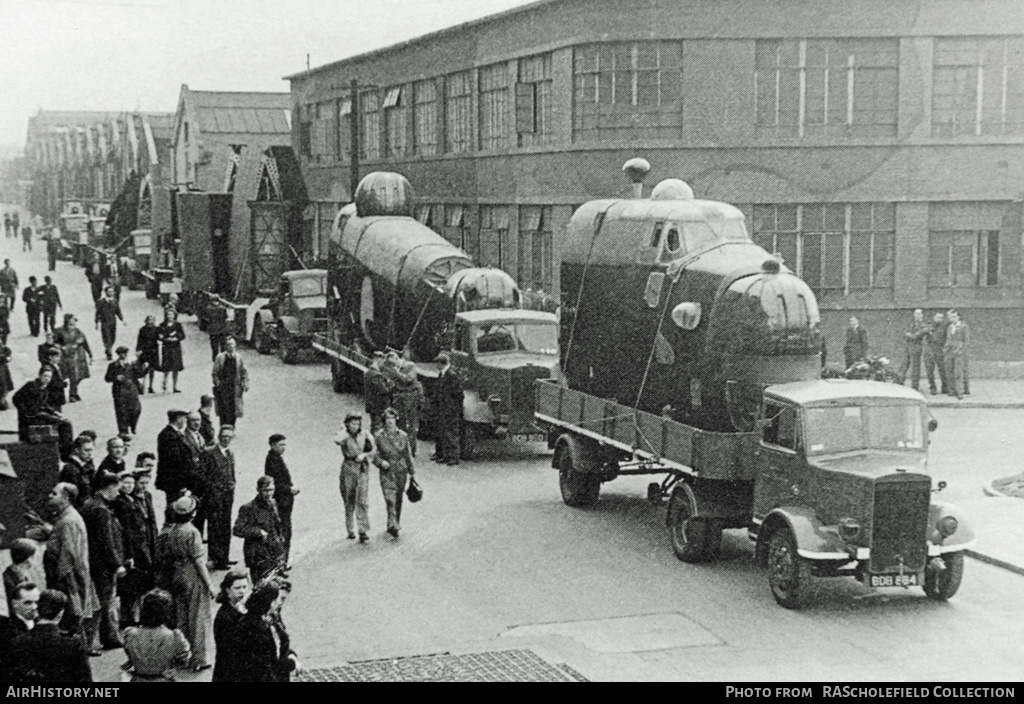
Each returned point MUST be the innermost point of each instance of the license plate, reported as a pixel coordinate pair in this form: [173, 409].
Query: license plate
[894, 580]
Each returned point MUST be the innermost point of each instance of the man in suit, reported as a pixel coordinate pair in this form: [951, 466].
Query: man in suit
[955, 354]
[856, 347]
[449, 413]
[259, 524]
[106, 556]
[377, 388]
[24, 601]
[50, 301]
[78, 470]
[114, 461]
[284, 491]
[32, 296]
[44, 654]
[196, 445]
[108, 312]
[216, 328]
[219, 474]
[915, 338]
[174, 465]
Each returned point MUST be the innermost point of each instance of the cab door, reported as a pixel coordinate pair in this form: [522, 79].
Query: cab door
[780, 459]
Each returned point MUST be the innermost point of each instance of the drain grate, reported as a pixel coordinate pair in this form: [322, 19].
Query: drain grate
[497, 666]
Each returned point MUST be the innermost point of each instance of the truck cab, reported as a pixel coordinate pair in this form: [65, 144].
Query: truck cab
[294, 314]
[842, 488]
[499, 354]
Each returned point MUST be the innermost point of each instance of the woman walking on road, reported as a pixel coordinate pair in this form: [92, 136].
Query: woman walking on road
[170, 334]
[394, 458]
[75, 355]
[181, 569]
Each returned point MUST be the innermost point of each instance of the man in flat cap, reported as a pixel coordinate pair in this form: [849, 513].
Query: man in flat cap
[284, 491]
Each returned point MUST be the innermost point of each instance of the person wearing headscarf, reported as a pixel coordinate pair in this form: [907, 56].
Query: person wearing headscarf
[357, 451]
[394, 459]
[181, 570]
[269, 656]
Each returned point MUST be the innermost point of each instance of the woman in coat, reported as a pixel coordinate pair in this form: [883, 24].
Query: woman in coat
[231, 650]
[147, 348]
[170, 334]
[181, 570]
[394, 458]
[75, 355]
[122, 377]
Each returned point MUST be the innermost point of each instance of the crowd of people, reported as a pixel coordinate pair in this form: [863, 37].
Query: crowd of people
[111, 575]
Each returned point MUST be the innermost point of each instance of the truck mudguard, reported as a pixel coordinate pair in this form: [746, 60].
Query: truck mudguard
[960, 540]
[289, 323]
[814, 540]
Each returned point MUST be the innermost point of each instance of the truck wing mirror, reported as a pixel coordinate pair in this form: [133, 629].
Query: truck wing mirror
[939, 487]
[932, 425]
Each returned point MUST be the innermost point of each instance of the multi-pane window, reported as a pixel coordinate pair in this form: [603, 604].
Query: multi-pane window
[369, 138]
[456, 224]
[627, 91]
[834, 247]
[536, 248]
[835, 87]
[978, 86]
[319, 133]
[494, 222]
[344, 144]
[396, 120]
[494, 106]
[963, 244]
[425, 117]
[458, 113]
[533, 100]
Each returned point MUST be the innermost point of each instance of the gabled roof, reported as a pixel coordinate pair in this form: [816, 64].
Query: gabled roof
[223, 112]
[53, 120]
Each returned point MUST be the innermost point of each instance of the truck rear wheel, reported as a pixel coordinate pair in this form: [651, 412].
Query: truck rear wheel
[944, 586]
[690, 534]
[788, 574]
[579, 487]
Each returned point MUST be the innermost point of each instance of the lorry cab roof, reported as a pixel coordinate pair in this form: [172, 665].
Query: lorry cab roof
[510, 315]
[823, 391]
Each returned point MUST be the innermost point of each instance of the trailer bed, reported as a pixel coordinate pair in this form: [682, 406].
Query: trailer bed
[677, 446]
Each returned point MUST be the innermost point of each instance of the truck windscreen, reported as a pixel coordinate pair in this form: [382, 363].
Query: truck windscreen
[864, 427]
[531, 338]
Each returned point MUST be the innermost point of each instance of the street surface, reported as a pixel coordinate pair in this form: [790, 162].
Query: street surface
[492, 560]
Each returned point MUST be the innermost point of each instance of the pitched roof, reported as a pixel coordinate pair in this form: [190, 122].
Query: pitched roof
[241, 113]
[53, 119]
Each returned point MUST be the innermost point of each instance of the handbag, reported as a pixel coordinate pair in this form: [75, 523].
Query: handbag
[414, 492]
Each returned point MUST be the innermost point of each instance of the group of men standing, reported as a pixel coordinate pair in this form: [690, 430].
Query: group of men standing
[942, 346]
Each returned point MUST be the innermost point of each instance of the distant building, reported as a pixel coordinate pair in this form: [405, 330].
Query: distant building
[212, 129]
[877, 146]
[73, 156]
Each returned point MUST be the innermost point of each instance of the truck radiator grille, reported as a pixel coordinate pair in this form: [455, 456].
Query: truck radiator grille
[899, 524]
[521, 397]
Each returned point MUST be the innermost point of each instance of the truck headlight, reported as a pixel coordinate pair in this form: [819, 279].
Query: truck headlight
[849, 529]
[947, 525]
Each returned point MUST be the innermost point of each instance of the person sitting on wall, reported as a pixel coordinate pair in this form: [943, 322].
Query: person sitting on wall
[32, 402]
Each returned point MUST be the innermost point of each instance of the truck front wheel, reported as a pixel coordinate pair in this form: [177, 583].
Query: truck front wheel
[260, 339]
[285, 347]
[788, 574]
[692, 536]
[579, 488]
[944, 585]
